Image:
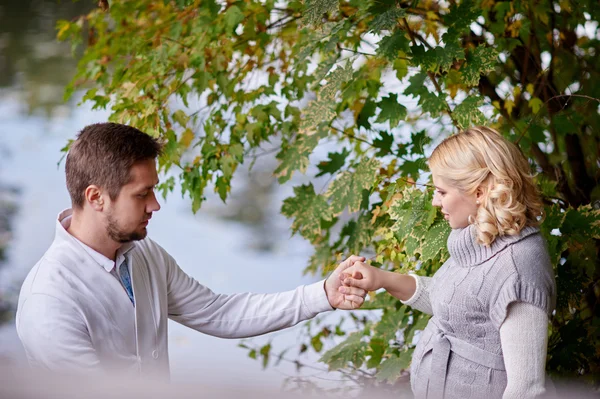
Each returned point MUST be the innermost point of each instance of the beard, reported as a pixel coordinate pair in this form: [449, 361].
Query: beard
[121, 236]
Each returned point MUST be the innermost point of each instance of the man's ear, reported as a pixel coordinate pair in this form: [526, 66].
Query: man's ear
[94, 197]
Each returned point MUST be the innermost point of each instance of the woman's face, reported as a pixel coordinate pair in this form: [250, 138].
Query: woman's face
[455, 205]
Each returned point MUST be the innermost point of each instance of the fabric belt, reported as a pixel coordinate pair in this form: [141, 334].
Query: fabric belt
[440, 355]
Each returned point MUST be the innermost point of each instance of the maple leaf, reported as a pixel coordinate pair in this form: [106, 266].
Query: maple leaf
[391, 110]
[314, 10]
[479, 61]
[308, 209]
[386, 20]
[468, 114]
[346, 190]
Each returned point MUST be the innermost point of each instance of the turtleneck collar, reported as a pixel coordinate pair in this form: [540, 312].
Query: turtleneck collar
[466, 252]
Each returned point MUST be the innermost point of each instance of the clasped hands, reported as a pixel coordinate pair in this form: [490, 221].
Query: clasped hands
[347, 286]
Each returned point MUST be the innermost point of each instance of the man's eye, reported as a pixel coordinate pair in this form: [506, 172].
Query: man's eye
[143, 195]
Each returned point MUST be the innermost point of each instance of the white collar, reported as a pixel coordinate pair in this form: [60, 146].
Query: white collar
[62, 224]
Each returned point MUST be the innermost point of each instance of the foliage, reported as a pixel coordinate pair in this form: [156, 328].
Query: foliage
[218, 80]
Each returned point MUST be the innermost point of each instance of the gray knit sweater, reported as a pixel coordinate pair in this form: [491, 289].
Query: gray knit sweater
[459, 354]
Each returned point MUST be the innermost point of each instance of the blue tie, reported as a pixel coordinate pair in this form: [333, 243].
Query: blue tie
[126, 279]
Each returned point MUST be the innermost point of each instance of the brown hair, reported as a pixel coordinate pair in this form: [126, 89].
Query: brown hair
[103, 155]
[480, 157]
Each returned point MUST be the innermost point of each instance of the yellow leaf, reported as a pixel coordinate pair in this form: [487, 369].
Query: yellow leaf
[509, 105]
[517, 92]
[535, 104]
[530, 88]
[186, 138]
[64, 28]
[375, 213]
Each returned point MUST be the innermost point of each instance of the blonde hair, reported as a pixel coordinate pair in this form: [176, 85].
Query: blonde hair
[480, 158]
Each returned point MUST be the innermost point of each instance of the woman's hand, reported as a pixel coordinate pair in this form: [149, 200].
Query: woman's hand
[361, 275]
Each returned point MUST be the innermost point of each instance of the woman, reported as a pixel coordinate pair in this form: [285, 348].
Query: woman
[490, 301]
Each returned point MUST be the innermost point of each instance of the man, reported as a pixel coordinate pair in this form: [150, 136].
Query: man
[100, 297]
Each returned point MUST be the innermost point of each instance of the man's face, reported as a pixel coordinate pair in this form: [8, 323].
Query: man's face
[128, 215]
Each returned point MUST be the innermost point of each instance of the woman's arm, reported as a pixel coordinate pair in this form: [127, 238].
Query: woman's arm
[410, 289]
[524, 339]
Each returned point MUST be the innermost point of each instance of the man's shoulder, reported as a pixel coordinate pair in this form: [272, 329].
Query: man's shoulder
[150, 248]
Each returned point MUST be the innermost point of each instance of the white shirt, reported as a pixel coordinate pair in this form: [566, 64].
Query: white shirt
[73, 315]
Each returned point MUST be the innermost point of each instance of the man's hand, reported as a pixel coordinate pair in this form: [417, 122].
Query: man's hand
[352, 297]
[361, 275]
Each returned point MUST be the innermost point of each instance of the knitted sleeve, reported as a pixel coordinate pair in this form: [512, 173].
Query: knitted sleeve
[530, 280]
[420, 299]
[524, 337]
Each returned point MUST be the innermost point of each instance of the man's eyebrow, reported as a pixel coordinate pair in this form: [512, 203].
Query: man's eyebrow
[152, 186]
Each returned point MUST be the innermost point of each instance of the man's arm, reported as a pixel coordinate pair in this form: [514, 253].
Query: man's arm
[54, 336]
[246, 315]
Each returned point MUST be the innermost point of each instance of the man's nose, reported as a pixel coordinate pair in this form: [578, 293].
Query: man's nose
[154, 205]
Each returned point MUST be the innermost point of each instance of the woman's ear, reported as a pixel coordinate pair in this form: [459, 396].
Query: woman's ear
[479, 193]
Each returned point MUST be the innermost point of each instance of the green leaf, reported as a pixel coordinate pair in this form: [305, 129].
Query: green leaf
[554, 218]
[432, 103]
[360, 234]
[435, 240]
[479, 61]
[233, 16]
[352, 350]
[181, 117]
[384, 144]
[366, 112]
[295, 156]
[468, 114]
[377, 348]
[318, 112]
[265, 352]
[390, 46]
[387, 20]
[401, 68]
[335, 162]
[335, 80]
[535, 104]
[393, 367]
[316, 343]
[346, 190]
[416, 85]
[460, 17]
[390, 323]
[391, 110]
[438, 58]
[419, 140]
[308, 209]
[420, 321]
[412, 210]
[314, 10]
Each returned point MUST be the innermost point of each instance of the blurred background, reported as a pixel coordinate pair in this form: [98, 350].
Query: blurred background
[242, 246]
